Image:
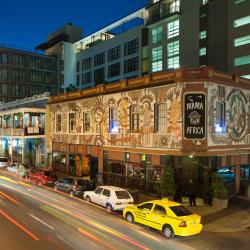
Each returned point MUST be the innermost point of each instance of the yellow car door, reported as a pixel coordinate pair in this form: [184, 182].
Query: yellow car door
[157, 216]
[142, 212]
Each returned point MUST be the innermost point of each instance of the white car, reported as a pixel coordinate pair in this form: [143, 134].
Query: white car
[113, 198]
[13, 167]
[19, 169]
[4, 162]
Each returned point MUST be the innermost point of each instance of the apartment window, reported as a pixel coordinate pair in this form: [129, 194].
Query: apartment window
[173, 48]
[241, 21]
[203, 34]
[131, 47]
[157, 53]
[62, 65]
[114, 53]
[86, 122]
[157, 34]
[77, 80]
[58, 122]
[246, 76]
[3, 58]
[114, 70]
[203, 51]
[135, 116]
[173, 29]
[220, 126]
[174, 6]
[113, 121]
[78, 66]
[243, 60]
[87, 77]
[204, 2]
[86, 63]
[160, 117]
[3, 73]
[99, 75]
[173, 62]
[99, 59]
[72, 122]
[241, 41]
[131, 65]
[157, 66]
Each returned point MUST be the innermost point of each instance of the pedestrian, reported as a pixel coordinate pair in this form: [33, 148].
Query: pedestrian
[191, 192]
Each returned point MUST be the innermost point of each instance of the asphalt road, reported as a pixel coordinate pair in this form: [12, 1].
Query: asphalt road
[34, 217]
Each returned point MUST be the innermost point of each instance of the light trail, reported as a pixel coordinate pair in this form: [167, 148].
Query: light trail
[9, 198]
[19, 226]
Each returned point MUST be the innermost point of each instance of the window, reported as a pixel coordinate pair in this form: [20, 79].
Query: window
[62, 65]
[99, 59]
[135, 115]
[157, 35]
[78, 66]
[156, 66]
[174, 6]
[86, 63]
[58, 122]
[3, 58]
[86, 122]
[87, 77]
[173, 62]
[243, 60]
[246, 76]
[122, 195]
[113, 121]
[173, 48]
[72, 122]
[114, 53]
[99, 75]
[131, 65]
[131, 47]
[173, 29]
[160, 117]
[241, 41]
[77, 80]
[157, 53]
[238, 1]
[147, 206]
[220, 126]
[98, 190]
[203, 51]
[160, 209]
[180, 210]
[204, 2]
[203, 34]
[114, 70]
[242, 21]
[59, 157]
[106, 192]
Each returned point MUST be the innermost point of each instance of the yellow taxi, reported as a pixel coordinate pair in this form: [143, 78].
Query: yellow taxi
[170, 217]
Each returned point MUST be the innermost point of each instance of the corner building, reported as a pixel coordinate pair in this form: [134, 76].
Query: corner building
[123, 133]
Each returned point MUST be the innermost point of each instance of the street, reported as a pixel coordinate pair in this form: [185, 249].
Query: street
[37, 217]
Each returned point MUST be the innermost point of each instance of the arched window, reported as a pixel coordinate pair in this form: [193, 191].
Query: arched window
[113, 121]
[135, 116]
[160, 116]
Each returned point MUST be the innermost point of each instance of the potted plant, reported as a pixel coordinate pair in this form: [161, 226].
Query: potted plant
[166, 187]
[218, 192]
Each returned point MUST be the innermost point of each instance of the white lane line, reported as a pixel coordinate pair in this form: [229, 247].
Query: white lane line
[44, 223]
[63, 240]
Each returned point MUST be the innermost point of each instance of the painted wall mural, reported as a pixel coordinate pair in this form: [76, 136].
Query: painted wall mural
[99, 108]
[228, 115]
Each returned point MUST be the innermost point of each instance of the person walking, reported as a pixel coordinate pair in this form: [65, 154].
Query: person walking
[191, 192]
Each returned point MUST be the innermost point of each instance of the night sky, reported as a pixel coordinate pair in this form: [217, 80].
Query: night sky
[26, 23]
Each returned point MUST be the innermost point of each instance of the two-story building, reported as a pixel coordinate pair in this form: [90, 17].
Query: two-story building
[125, 132]
[22, 130]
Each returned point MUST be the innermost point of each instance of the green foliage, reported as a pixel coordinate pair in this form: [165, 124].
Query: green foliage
[218, 190]
[166, 185]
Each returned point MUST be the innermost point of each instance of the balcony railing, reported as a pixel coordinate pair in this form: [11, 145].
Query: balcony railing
[28, 131]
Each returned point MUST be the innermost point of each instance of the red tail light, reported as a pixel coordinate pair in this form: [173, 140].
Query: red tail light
[183, 224]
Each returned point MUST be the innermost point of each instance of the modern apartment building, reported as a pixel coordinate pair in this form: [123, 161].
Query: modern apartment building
[165, 35]
[24, 74]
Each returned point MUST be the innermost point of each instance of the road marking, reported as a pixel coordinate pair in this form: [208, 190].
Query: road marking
[41, 221]
[63, 240]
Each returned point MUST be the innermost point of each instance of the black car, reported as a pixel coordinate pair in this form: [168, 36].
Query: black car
[74, 187]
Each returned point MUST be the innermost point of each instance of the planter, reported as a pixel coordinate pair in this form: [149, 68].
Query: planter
[219, 203]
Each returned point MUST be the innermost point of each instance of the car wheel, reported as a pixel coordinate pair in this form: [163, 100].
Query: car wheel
[71, 193]
[88, 199]
[109, 208]
[168, 231]
[129, 217]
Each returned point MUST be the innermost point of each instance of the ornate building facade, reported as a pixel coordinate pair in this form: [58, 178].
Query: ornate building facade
[124, 133]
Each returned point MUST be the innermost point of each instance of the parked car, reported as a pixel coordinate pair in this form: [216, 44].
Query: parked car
[73, 187]
[113, 198]
[4, 162]
[43, 176]
[18, 169]
[170, 217]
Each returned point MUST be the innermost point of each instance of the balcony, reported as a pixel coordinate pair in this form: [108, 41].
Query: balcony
[163, 13]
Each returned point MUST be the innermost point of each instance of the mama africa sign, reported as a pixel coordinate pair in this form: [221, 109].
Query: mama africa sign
[194, 115]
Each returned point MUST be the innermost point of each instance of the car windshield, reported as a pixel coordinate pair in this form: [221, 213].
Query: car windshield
[50, 173]
[180, 210]
[122, 195]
